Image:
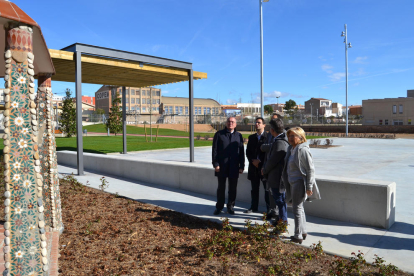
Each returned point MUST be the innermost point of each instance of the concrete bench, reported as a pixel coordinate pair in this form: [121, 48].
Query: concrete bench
[366, 202]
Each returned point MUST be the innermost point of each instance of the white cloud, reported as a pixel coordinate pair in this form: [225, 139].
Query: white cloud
[272, 96]
[327, 68]
[231, 101]
[337, 76]
[361, 60]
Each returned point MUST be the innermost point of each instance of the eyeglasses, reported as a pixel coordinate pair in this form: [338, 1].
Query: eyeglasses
[231, 122]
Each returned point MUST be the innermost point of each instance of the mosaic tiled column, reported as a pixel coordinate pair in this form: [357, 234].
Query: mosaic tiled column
[47, 155]
[25, 240]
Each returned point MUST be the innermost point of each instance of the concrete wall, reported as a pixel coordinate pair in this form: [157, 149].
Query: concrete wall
[364, 202]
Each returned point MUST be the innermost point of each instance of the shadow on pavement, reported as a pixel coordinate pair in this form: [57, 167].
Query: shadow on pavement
[383, 242]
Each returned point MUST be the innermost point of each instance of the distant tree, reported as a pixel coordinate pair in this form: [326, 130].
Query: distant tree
[68, 116]
[268, 109]
[114, 122]
[290, 107]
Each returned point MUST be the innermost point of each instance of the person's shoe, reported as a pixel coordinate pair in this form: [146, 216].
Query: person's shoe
[304, 236]
[230, 211]
[250, 210]
[295, 240]
[271, 216]
[216, 212]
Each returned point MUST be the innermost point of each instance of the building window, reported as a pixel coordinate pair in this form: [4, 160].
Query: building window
[186, 110]
[144, 101]
[398, 122]
[127, 100]
[401, 109]
[171, 110]
[144, 109]
[199, 110]
[386, 122]
[394, 109]
[380, 122]
[195, 111]
[176, 110]
[137, 93]
[132, 91]
[208, 110]
[153, 101]
[158, 101]
[132, 100]
[205, 110]
[158, 93]
[409, 122]
[138, 101]
[181, 110]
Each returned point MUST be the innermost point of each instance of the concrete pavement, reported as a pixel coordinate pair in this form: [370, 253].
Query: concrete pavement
[364, 158]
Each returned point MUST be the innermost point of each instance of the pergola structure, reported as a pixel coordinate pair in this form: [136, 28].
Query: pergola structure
[81, 63]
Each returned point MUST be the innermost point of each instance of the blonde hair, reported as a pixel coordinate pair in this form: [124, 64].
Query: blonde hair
[298, 131]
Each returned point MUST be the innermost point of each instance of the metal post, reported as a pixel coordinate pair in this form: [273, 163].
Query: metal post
[151, 113]
[346, 76]
[191, 107]
[78, 84]
[124, 131]
[261, 60]
[311, 104]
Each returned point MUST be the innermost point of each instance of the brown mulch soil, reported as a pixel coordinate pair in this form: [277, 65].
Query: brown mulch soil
[110, 235]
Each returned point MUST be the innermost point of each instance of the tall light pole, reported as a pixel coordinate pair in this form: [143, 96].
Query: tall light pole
[347, 45]
[261, 58]
[277, 97]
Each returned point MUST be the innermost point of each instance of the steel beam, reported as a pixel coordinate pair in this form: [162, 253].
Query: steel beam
[124, 132]
[79, 137]
[118, 54]
[191, 107]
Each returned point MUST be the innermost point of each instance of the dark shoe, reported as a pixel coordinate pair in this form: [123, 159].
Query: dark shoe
[304, 236]
[250, 211]
[271, 216]
[230, 211]
[216, 212]
[293, 239]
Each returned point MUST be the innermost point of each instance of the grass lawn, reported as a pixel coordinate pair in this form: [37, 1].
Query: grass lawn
[105, 144]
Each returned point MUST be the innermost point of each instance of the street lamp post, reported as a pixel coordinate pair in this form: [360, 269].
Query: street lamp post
[347, 45]
[261, 58]
[311, 104]
[277, 108]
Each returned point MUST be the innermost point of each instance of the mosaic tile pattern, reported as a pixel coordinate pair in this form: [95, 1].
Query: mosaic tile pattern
[47, 155]
[25, 240]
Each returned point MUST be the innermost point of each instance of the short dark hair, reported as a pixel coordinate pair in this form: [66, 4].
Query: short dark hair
[261, 118]
[277, 125]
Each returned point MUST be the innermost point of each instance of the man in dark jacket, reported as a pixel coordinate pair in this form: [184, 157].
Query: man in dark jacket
[274, 165]
[256, 159]
[228, 162]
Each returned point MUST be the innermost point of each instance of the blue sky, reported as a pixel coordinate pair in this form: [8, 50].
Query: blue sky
[304, 54]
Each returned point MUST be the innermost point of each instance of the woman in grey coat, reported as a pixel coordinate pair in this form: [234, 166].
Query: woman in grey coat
[298, 179]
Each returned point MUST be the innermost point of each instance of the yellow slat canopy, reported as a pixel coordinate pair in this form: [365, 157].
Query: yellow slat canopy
[101, 70]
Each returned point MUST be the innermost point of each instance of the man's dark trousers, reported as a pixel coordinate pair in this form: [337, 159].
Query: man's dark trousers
[221, 192]
[255, 181]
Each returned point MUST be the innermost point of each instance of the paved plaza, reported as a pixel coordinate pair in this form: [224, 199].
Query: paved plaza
[390, 160]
